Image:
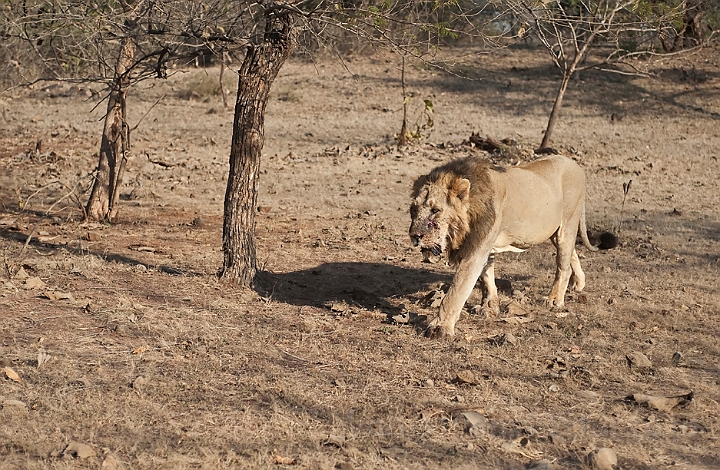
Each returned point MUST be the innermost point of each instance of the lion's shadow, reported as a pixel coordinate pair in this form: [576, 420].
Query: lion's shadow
[365, 285]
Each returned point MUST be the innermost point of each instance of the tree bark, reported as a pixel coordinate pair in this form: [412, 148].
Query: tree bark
[547, 138]
[580, 54]
[114, 144]
[257, 73]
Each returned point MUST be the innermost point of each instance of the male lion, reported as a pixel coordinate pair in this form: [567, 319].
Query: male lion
[472, 210]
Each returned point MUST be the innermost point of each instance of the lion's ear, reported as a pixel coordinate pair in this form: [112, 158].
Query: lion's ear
[461, 188]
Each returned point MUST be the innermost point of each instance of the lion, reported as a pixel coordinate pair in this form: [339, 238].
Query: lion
[472, 210]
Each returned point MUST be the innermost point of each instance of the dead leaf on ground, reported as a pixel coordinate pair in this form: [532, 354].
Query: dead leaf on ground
[42, 357]
[587, 394]
[12, 375]
[409, 318]
[21, 275]
[544, 464]
[518, 320]
[13, 404]
[140, 350]
[514, 309]
[521, 446]
[111, 463]
[661, 403]
[465, 377]
[280, 460]
[434, 299]
[147, 249]
[57, 295]
[34, 283]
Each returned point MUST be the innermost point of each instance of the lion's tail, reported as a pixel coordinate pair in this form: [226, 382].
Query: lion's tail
[583, 232]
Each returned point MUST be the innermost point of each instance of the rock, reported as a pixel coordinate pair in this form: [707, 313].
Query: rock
[678, 358]
[638, 360]
[139, 383]
[335, 440]
[476, 423]
[198, 221]
[80, 451]
[556, 439]
[510, 338]
[465, 377]
[602, 459]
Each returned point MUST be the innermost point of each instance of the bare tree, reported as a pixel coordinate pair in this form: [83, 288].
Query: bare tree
[257, 73]
[122, 42]
[685, 23]
[406, 26]
[569, 30]
[117, 44]
[115, 143]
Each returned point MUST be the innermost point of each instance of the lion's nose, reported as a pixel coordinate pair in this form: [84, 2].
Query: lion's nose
[415, 239]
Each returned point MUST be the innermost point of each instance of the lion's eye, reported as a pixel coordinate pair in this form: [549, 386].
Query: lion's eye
[435, 210]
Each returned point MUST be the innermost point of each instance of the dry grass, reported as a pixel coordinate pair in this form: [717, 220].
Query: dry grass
[307, 367]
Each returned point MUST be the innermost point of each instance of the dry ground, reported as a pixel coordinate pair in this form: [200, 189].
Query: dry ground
[125, 341]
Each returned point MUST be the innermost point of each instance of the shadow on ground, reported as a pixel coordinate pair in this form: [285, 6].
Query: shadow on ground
[366, 285]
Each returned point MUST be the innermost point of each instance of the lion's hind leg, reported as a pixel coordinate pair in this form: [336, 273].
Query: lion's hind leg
[577, 280]
[564, 241]
[491, 301]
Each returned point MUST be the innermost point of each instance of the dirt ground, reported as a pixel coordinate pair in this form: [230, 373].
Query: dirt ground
[121, 349]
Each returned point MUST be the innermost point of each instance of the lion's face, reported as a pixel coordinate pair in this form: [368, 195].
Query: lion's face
[439, 213]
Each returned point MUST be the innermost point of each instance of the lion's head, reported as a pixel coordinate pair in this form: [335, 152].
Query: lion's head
[450, 206]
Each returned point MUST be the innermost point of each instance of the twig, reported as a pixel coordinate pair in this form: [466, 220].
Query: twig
[148, 111]
[47, 213]
[626, 188]
[302, 359]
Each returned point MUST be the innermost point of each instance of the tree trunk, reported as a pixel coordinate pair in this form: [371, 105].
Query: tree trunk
[115, 140]
[257, 73]
[547, 138]
[403, 137]
[693, 19]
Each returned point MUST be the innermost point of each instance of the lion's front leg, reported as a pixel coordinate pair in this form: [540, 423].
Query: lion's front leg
[443, 326]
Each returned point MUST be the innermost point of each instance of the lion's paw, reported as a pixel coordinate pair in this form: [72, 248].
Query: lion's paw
[439, 332]
[577, 284]
[552, 303]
